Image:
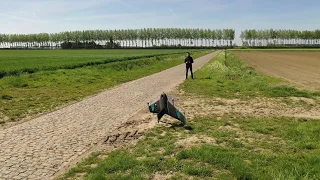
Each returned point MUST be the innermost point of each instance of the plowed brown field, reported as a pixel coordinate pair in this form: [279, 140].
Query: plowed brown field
[300, 68]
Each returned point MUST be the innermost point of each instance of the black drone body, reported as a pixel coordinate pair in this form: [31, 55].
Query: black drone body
[163, 106]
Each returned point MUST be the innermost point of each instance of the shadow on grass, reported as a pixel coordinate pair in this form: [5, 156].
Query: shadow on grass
[178, 125]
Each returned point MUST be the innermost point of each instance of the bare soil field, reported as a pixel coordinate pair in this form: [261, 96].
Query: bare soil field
[299, 68]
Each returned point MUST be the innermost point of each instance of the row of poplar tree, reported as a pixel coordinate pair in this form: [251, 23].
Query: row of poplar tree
[280, 37]
[160, 37]
[147, 37]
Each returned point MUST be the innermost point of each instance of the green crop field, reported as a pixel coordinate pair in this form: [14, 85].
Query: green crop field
[13, 62]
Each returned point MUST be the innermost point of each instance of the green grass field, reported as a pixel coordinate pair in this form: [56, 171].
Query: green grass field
[30, 94]
[13, 62]
[231, 146]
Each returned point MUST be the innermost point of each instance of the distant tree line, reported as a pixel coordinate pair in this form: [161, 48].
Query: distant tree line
[280, 38]
[162, 38]
[124, 38]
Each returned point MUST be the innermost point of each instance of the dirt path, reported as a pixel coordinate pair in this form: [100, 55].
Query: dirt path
[39, 148]
[300, 68]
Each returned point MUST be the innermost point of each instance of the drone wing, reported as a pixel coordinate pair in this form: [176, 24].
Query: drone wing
[174, 112]
[155, 107]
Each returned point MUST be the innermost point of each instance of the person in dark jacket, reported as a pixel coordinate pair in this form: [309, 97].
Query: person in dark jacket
[188, 61]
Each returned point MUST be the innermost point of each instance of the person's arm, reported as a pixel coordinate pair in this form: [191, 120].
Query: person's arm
[191, 59]
[185, 60]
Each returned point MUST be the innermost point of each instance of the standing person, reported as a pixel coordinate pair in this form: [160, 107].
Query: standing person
[188, 61]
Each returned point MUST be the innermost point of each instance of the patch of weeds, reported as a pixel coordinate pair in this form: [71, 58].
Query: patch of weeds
[220, 158]
[17, 82]
[302, 133]
[220, 140]
[236, 144]
[260, 166]
[170, 149]
[227, 123]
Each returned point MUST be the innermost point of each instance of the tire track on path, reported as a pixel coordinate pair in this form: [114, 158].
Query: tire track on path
[39, 148]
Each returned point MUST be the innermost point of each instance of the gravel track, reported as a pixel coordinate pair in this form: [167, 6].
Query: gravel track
[39, 148]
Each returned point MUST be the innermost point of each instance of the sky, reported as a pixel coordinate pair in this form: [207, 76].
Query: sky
[35, 16]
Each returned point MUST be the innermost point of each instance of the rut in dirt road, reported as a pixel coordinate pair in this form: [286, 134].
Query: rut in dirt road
[39, 148]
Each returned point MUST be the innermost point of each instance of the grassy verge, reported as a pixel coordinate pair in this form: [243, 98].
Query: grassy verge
[232, 78]
[212, 147]
[43, 91]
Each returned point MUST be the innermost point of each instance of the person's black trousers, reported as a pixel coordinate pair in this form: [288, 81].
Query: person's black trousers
[189, 66]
